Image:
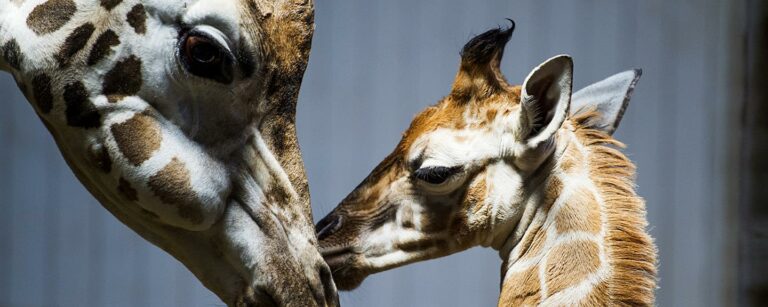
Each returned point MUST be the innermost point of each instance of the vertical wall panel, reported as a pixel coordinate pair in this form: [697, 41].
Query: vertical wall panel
[374, 65]
[70, 237]
[98, 219]
[28, 199]
[7, 86]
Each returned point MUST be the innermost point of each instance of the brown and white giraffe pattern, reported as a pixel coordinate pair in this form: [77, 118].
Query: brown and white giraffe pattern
[184, 188]
[563, 260]
[507, 167]
[564, 257]
[206, 168]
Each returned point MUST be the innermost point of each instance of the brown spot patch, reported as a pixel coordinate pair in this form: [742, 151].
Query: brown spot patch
[138, 138]
[51, 16]
[553, 191]
[103, 46]
[124, 79]
[124, 187]
[580, 213]
[490, 115]
[137, 18]
[173, 186]
[473, 217]
[535, 243]
[12, 54]
[476, 194]
[569, 263]
[521, 288]
[110, 4]
[80, 110]
[598, 296]
[74, 43]
[572, 159]
[41, 90]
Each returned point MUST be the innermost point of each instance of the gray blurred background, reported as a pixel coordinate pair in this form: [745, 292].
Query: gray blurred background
[374, 65]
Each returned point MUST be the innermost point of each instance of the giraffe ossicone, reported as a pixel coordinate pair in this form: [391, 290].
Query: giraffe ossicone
[167, 112]
[531, 171]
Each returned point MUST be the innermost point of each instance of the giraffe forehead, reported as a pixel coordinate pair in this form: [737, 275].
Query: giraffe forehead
[448, 147]
[451, 133]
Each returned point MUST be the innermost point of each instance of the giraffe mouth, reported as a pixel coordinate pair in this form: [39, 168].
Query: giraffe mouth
[337, 256]
[345, 264]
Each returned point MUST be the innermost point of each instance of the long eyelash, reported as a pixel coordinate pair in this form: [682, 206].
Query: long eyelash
[436, 174]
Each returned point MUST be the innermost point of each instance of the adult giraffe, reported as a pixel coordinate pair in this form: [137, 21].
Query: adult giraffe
[178, 116]
[508, 168]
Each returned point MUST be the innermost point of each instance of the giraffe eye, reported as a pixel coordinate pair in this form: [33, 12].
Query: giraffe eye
[436, 174]
[202, 51]
[205, 57]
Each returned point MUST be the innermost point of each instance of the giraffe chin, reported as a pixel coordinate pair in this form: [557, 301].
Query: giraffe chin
[348, 272]
[349, 278]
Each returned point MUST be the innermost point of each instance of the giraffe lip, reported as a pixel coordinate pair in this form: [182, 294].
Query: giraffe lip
[333, 251]
[336, 256]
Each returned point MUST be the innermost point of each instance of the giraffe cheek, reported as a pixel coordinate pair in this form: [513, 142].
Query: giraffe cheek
[176, 194]
[163, 172]
[172, 185]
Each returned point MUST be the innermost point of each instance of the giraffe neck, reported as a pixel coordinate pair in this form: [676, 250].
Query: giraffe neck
[584, 243]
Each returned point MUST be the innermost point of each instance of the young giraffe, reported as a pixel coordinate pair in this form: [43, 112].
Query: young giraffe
[508, 168]
[178, 116]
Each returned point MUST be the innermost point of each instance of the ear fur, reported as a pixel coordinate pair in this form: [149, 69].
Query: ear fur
[545, 99]
[609, 98]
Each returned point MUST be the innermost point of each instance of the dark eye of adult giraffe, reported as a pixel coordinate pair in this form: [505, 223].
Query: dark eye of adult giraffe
[204, 57]
[201, 50]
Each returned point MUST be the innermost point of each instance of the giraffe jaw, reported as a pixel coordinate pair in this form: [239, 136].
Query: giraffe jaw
[236, 255]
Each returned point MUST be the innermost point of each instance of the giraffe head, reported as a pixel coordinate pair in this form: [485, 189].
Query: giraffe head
[178, 116]
[464, 171]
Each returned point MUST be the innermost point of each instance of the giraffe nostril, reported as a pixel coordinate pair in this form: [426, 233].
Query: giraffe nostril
[328, 226]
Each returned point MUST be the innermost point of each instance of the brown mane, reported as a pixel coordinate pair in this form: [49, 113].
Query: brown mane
[632, 251]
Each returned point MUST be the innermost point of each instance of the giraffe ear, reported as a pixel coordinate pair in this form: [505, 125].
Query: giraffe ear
[545, 99]
[609, 98]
